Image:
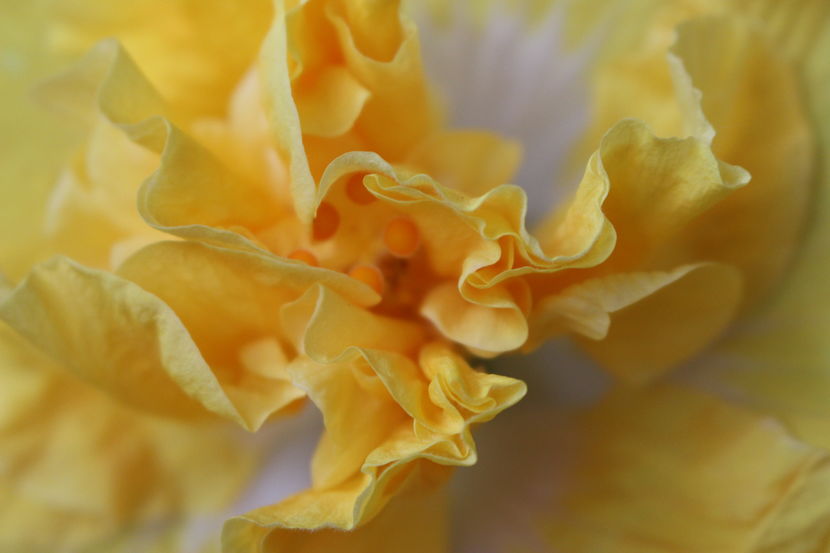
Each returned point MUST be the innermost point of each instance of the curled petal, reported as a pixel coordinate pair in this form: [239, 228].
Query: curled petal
[659, 318]
[406, 424]
[94, 322]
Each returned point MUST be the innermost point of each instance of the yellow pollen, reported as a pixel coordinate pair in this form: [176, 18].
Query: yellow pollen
[368, 274]
[326, 222]
[305, 256]
[357, 192]
[401, 237]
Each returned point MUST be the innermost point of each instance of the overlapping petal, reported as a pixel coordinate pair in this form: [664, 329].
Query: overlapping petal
[392, 425]
[95, 472]
[666, 469]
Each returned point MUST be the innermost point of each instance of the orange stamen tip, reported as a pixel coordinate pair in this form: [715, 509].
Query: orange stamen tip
[305, 256]
[370, 275]
[325, 222]
[401, 237]
[357, 192]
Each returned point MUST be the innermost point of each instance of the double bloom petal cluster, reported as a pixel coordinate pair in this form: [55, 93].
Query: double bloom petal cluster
[308, 227]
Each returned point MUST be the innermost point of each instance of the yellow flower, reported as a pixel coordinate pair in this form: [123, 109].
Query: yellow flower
[308, 224]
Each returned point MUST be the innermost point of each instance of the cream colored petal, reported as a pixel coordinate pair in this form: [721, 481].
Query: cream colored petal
[95, 322]
[33, 145]
[672, 470]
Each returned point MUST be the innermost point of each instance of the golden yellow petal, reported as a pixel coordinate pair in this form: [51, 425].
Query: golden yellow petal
[333, 103]
[392, 426]
[325, 45]
[415, 522]
[198, 283]
[656, 187]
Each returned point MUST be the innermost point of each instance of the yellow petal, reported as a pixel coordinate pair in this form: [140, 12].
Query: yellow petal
[473, 162]
[323, 325]
[670, 324]
[172, 42]
[494, 327]
[729, 60]
[33, 144]
[655, 188]
[742, 74]
[414, 522]
[666, 470]
[390, 427]
[333, 102]
[198, 283]
[324, 43]
[659, 318]
[95, 471]
[93, 322]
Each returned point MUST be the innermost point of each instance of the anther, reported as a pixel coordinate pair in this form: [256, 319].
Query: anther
[325, 222]
[401, 237]
[368, 274]
[357, 192]
[305, 256]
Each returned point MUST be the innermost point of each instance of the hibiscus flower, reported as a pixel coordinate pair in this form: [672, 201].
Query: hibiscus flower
[235, 213]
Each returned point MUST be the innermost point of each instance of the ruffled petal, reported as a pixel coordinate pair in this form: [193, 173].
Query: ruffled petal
[656, 187]
[365, 48]
[391, 426]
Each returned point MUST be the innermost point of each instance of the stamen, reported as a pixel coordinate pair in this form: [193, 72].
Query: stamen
[326, 222]
[305, 256]
[357, 192]
[368, 274]
[401, 237]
